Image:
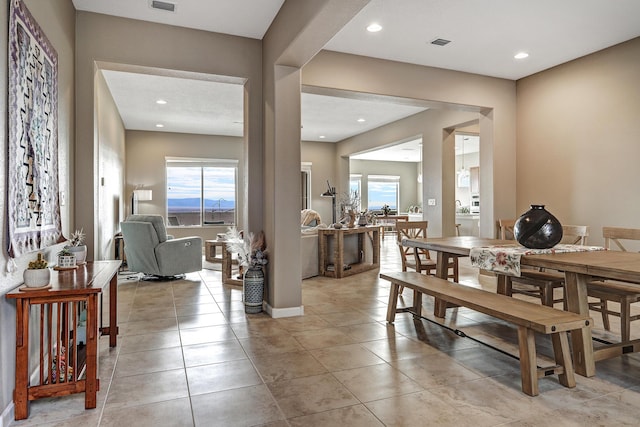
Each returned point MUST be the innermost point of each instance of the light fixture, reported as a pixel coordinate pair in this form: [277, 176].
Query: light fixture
[331, 192]
[463, 174]
[521, 55]
[159, 125]
[139, 194]
[374, 27]
[161, 102]
[322, 137]
[361, 120]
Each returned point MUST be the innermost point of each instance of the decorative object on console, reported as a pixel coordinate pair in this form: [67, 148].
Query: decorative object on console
[537, 229]
[386, 209]
[37, 275]
[33, 198]
[331, 192]
[77, 246]
[252, 254]
[66, 260]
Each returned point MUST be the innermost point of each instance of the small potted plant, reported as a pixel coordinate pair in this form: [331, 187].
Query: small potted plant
[66, 259]
[386, 209]
[77, 247]
[37, 274]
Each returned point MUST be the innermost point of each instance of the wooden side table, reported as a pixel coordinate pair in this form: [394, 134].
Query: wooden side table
[65, 366]
[332, 264]
[211, 251]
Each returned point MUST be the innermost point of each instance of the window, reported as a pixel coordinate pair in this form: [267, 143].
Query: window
[201, 192]
[383, 189]
[355, 189]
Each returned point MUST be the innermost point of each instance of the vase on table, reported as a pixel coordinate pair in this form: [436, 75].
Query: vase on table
[537, 228]
[352, 219]
[80, 252]
[253, 289]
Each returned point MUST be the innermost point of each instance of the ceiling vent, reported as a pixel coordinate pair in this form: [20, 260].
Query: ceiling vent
[440, 42]
[163, 5]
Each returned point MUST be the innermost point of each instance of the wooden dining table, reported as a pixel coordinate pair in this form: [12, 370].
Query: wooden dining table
[579, 268]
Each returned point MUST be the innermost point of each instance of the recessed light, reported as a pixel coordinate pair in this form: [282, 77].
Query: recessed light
[159, 125]
[161, 102]
[322, 137]
[521, 55]
[374, 27]
[361, 120]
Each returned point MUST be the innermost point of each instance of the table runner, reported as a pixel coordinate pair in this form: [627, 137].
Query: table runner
[506, 259]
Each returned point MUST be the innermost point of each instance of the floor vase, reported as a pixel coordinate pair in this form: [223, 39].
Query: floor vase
[253, 287]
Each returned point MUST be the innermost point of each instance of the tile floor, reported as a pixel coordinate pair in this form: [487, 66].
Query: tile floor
[188, 355]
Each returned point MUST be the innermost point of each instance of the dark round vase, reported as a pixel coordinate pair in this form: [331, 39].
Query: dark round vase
[537, 228]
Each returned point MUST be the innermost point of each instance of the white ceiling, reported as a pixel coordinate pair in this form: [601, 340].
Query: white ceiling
[484, 34]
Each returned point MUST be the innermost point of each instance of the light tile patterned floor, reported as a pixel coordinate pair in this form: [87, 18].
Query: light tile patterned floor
[188, 355]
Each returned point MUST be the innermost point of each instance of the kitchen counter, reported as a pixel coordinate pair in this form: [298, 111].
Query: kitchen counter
[469, 224]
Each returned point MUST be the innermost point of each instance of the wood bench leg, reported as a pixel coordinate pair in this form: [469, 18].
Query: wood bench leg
[563, 358]
[393, 302]
[417, 303]
[528, 362]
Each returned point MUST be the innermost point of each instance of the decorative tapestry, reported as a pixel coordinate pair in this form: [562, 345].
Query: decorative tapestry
[33, 209]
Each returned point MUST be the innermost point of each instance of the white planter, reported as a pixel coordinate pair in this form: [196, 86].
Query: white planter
[36, 278]
[66, 261]
[80, 252]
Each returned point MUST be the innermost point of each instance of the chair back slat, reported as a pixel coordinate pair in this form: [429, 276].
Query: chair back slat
[615, 234]
[575, 234]
[411, 230]
[505, 229]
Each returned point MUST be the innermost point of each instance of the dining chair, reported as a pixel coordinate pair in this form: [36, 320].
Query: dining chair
[416, 258]
[610, 290]
[540, 283]
[505, 229]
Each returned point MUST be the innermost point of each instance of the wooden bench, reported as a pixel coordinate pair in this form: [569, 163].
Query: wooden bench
[529, 317]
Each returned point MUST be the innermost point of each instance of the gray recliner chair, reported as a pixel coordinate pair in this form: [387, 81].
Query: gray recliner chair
[150, 251]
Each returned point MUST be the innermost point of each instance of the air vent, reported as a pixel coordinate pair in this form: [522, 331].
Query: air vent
[163, 5]
[440, 42]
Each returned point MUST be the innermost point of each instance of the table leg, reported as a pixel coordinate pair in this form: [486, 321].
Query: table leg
[442, 271]
[339, 256]
[577, 302]
[113, 311]
[91, 381]
[21, 392]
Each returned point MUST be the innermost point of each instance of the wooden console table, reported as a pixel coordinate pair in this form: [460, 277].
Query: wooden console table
[65, 365]
[332, 264]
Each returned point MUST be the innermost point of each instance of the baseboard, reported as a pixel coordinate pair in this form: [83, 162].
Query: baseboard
[284, 312]
[7, 415]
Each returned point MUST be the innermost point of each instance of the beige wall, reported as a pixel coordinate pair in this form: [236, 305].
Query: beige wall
[578, 144]
[146, 152]
[162, 49]
[407, 172]
[438, 159]
[322, 156]
[492, 100]
[110, 166]
[56, 19]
